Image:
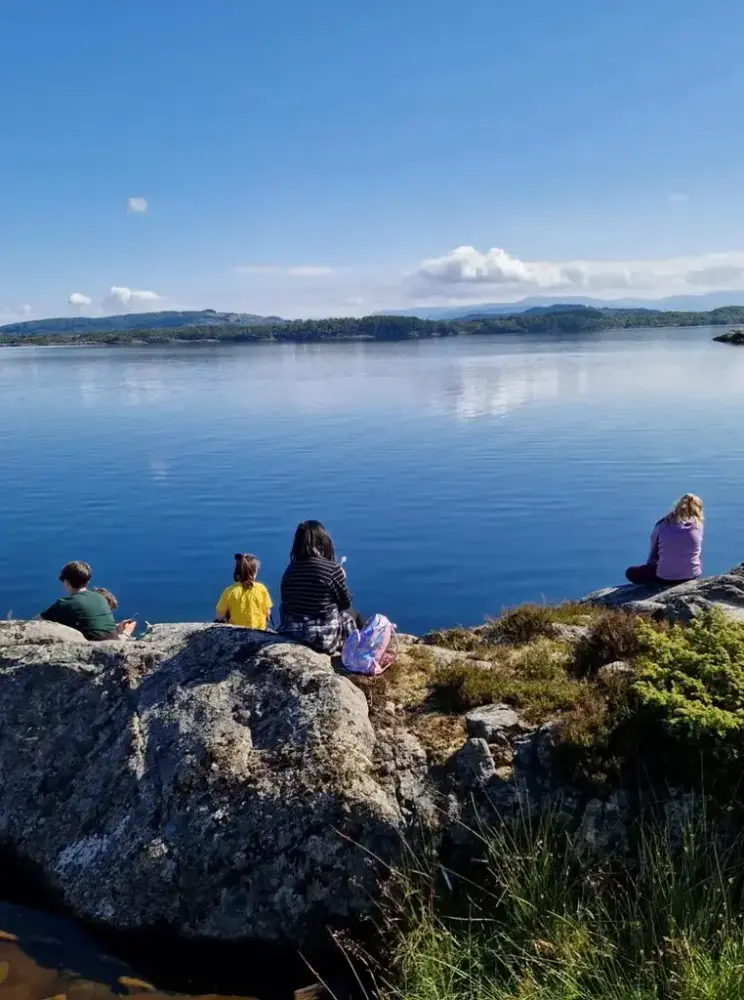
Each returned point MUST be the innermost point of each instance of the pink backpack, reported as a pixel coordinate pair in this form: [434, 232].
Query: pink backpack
[370, 650]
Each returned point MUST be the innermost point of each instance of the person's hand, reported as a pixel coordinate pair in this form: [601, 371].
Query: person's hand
[126, 628]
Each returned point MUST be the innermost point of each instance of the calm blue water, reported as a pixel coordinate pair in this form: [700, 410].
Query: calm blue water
[458, 476]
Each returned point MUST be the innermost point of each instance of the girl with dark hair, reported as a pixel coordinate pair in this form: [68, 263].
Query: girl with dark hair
[246, 602]
[316, 603]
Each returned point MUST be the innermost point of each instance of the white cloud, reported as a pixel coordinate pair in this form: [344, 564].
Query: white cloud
[678, 198]
[121, 299]
[15, 314]
[126, 295]
[137, 206]
[467, 273]
[295, 271]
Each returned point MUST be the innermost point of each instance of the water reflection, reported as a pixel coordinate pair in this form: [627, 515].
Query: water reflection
[494, 385]
[43, 957]
[473, 391]
[22, 978]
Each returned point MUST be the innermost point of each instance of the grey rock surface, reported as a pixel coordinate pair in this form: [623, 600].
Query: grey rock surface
[473, 763]
[680, 603]
[570, 633]
[612, 670]
[494, 723]
[205, 778]
[37, 633]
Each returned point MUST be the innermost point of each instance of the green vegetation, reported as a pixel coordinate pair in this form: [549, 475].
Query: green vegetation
[535, 916]
[539, 921]
[514, 626]
[236, 329]
[677, 707]
[691, 679]
[535, 680]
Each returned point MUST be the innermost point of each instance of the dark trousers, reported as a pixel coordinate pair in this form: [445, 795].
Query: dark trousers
[645, 575]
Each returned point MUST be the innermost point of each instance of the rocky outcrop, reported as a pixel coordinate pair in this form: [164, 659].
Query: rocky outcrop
[732, 337]
[221, 783]
[680, 603]
[205, 779]
[494, 723]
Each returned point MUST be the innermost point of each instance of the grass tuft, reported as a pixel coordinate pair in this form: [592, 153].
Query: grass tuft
[537, 922]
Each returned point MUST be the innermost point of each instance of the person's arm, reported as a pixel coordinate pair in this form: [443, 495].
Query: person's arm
[223, 607]
[653, 556]
[340, 589]
[52, 614]
[267, 606]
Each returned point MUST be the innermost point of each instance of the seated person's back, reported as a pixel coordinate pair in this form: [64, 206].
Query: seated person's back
[678, 544]
[314, 587]
[82, 609]
[247, 602]
[316, 603]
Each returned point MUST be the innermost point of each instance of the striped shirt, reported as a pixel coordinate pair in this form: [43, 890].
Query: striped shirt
[314, 588]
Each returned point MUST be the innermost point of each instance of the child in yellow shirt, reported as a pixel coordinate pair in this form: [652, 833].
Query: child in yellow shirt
[246, 602]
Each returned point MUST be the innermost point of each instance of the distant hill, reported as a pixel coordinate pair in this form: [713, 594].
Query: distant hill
[553, 320]
[134, 321]
[675, 303]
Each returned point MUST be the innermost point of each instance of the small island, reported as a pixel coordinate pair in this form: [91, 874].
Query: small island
[732, 337]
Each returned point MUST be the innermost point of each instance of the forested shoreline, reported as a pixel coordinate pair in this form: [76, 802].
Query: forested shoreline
[389, 328]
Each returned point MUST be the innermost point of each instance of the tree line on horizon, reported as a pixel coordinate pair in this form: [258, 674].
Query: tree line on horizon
[392, 328]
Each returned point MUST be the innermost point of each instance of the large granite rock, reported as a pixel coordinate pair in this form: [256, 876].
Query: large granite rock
[218, 782]
[683, 602]
[205, 779]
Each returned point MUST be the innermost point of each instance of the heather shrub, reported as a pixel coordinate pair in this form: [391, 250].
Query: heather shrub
[614, 635]
[520, 625]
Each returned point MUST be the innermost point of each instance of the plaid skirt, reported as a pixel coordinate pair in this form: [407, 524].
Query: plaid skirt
[324, 635]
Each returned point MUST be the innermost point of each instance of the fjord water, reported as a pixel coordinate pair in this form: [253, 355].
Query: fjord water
[458, 476]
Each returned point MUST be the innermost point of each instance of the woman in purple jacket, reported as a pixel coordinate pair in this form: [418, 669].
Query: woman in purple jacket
[676, 543]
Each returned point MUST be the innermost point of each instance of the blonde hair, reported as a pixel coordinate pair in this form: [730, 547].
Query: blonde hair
[687, 508]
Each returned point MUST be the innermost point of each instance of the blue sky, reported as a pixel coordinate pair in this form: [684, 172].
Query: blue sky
[331, 157]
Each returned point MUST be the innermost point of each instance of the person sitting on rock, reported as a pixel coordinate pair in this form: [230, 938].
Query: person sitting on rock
[246, 602]
[676, 545]
[124, 629]
[316, 603]
[82, 609]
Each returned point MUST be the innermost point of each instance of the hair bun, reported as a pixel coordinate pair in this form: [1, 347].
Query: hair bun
[238, 555]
